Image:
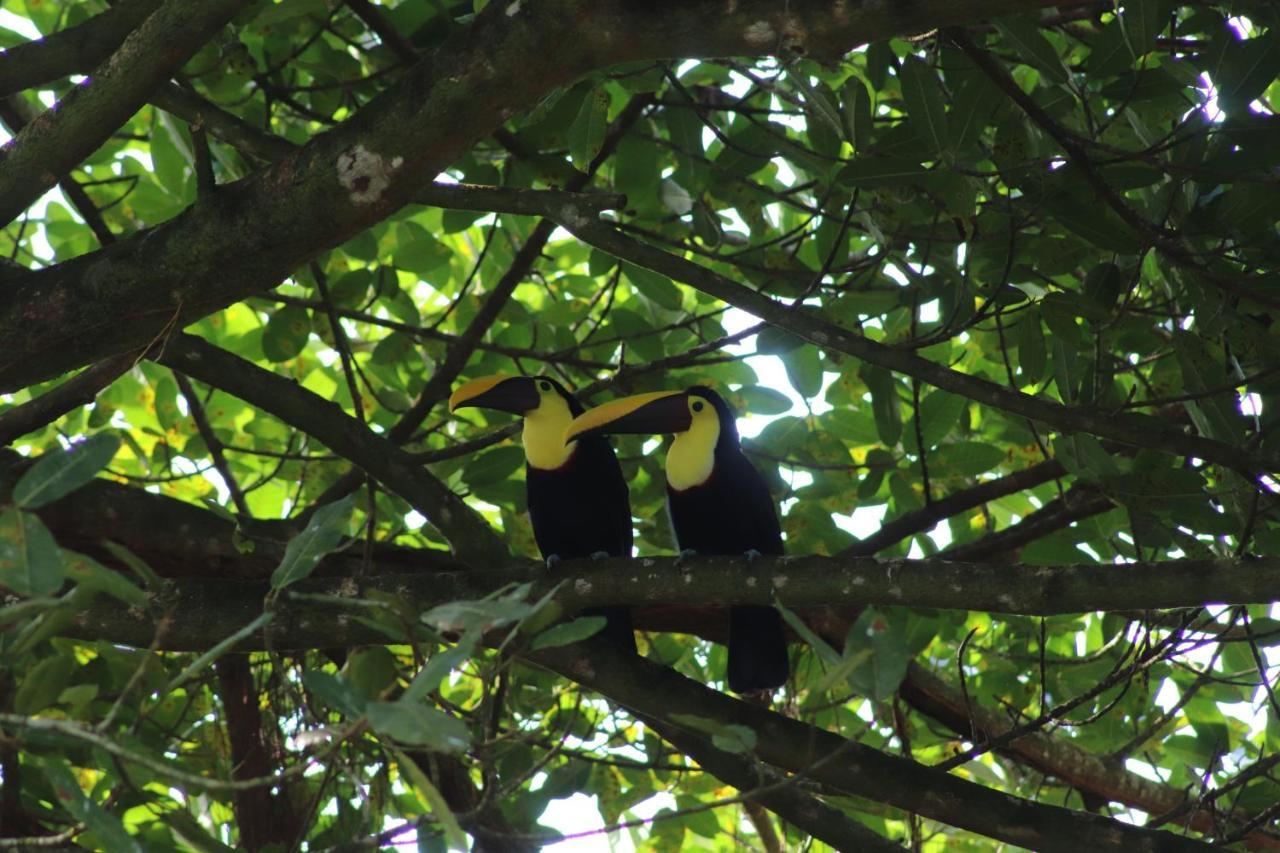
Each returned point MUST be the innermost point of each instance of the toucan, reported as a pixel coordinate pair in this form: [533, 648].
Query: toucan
[578, 500]
[719, 504]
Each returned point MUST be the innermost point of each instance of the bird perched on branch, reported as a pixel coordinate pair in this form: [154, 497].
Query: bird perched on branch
[719, 504]
[578, 501]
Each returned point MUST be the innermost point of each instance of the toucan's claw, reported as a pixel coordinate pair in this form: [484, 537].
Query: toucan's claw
[600, 555]
[686, 554]
[751, 554]
[552, 559]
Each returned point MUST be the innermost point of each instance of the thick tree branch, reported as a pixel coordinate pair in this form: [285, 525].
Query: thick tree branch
[775, 791]
[79, 390]
[1168, 243]
[17, 114]
[254, 232]
[923, 519]
[1056, 757]
[265, 818]
[76, 49]
[1077, 503]
[209, 610]
[1133, 430]
[472, 538]
[52, 144]
[648, 688]
[387, 33]
[244, 137]
[182, 540]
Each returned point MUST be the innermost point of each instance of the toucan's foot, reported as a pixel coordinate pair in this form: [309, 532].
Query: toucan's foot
[759, 696]
[552, 559]
[686, 554]
[600, 555]
[751, 554]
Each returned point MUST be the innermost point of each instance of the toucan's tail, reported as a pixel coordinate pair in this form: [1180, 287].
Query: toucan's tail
[757, 649]
[617, 630]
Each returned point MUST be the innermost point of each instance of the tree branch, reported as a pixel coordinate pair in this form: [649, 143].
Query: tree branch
[17, 114]
[1077, 503]
[648, 688]
[58, 139]
[211, 609]
[1133, 430]
[79, 390]
[775, 791]
[254, 232]
[472, 538]
[1109, 780]
[75, 49]
[925, 518]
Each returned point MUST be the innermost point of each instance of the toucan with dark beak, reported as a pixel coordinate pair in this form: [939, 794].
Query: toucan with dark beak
[719, 504]
[578, 501]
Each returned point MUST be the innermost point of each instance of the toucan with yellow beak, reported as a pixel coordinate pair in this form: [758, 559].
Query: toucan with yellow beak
[719, 504]
[578, 501]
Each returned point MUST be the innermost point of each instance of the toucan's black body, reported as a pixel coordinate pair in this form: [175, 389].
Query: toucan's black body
[583, 507]
[732, 513]
[729, 512]
[580, 509]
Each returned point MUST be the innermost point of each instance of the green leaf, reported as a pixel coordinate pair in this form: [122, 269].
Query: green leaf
[925, 107]
[856, 104]
[440, 665]
[804, 632]
[1023, 32]
[731, 737]
[1029, 337]
[420, 253]
[965, 459]
[818, 99]
[1248, 68]
[170, 161]
[940, 413]
[334, 692]
[480, 615]
[1143, 20]
[322, 535]
[568, 632]
[42, 684]
[775, 341]
[106, 827]
[431, 799]
[286, 333]
[1215, 415]
[586, 134]
[89, 574]
[653, 286]
[415, 724]
[371, 670]
[31, 563]
[804, 370]
[762, 400]
[881, 642]
[884, 403]
[60, 472]
[1085, 457]
[493, 466]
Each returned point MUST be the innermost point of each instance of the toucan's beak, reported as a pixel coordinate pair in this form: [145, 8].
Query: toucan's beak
[515, 394]
[645, 414]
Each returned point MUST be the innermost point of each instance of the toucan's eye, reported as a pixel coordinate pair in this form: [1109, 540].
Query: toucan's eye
[545, 386]
[697, 405]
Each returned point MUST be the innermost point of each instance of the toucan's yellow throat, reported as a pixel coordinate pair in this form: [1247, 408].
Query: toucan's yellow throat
[692, 418]
[540, 401]
[543, 435]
